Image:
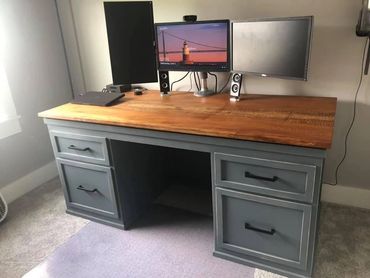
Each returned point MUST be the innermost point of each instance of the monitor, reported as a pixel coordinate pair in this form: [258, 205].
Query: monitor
[193, 46]
[363, 25]
[277, 47]
[363, 29]
[130, 30]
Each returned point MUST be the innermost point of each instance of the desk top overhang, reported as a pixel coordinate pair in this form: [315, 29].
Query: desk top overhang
[289, 120]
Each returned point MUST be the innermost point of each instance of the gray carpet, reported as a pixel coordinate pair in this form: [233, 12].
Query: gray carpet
[344, 242]
[166, 242]
[37, 225]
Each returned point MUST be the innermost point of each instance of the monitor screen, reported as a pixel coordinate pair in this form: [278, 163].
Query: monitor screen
[193, 46]
[272, 47]
[130, 29]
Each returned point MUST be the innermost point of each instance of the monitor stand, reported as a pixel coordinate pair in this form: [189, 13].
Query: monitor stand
[204, 91]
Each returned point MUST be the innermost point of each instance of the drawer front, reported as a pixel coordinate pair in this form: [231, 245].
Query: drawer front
[269, 177]
[88, 187]
[86, 148]
[269, 229]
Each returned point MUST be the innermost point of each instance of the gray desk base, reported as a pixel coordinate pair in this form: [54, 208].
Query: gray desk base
[265, 196]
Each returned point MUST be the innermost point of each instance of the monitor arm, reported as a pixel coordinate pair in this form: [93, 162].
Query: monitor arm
[204, 91]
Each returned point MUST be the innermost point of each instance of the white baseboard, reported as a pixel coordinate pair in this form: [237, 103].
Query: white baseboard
[345, 195]
[30, 181]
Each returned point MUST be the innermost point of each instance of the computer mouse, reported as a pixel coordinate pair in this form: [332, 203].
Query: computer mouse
[138, 91]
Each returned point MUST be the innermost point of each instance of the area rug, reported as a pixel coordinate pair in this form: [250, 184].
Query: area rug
[166, 242]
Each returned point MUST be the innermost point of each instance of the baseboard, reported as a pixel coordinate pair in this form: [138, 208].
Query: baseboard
[345, 195]
[29, 182]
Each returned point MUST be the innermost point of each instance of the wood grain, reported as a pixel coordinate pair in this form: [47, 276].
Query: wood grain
[290, 120]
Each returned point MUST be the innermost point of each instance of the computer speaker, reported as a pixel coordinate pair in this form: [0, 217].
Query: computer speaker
[236, 85]
[164, 82]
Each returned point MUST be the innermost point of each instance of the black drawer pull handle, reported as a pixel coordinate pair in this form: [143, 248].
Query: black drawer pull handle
[249, 175]
[80, 187]
[250, 227]
[73, 147]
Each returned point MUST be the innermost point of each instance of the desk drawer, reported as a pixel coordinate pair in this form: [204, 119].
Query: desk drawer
[86, 148]
[269, 229]
[269, 177]
[88, 187]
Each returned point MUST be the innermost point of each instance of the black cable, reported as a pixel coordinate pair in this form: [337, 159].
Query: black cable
[196, 81]
[179, 80]
[227, 82]
[200, 83]
[353, 116]
[191, 84]
[215, 76]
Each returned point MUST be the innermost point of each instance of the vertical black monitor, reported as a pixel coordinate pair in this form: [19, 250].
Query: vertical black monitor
[193, 46]
[272, 47]
[130, 29]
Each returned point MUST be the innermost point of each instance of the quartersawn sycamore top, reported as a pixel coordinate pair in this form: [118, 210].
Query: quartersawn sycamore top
[291, 120]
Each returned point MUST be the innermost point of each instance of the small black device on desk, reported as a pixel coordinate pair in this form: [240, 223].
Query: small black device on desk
[138, 91]
[97, 98]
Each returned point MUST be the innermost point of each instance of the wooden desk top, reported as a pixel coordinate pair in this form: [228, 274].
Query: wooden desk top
[290, 120]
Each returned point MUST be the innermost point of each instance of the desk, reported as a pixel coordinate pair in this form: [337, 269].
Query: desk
[264, 154]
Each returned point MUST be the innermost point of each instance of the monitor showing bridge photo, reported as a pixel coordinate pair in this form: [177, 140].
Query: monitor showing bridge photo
[197, 46]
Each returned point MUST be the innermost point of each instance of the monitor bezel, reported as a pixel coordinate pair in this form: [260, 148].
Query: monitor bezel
[195, 68]
[308, 51]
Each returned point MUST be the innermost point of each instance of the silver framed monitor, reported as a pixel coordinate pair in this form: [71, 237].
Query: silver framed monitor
[275, 47]
[363, 25]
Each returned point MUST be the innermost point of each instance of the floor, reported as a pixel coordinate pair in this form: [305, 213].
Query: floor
[37, 224]
[164, 243]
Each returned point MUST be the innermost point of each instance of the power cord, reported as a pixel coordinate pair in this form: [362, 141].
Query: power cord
[215, 76]
[227, 82]
[191, 84]
[353, 117]
[196, 81]
[182, 78]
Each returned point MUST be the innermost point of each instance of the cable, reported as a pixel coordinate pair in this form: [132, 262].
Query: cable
[179, 80]
[200, 83]
[191, 84]
[215, 76]
[196, 81]
[227, 82]
[353, 117]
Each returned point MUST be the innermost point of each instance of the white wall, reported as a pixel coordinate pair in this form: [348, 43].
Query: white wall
[334, 66]
[38, 78]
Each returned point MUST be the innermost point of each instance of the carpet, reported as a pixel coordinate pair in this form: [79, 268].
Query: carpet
[166, 242]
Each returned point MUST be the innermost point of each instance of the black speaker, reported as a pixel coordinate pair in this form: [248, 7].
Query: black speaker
[164, 82]
[236, 85]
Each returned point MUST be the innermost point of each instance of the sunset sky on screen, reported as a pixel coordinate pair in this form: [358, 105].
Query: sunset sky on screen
[210, 36]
